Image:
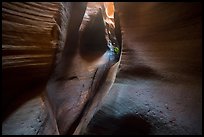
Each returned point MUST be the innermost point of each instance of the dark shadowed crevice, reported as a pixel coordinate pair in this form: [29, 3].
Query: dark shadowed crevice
[93, 42]
[107, 124]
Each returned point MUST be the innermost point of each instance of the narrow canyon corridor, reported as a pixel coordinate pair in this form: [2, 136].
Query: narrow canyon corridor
[101, 68]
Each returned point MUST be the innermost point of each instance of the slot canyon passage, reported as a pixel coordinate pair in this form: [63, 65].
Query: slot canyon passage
[98, 68]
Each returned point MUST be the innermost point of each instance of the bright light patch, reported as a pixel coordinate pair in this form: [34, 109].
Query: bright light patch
[109, 9]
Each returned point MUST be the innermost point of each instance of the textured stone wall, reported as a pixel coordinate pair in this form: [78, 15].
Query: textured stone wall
[158, 86]
[29, 43]
[158, 89]
[34, 35]
[81, 72]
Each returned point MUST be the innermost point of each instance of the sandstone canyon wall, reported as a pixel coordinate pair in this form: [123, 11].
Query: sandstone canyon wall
[158, 89]
[59, 76]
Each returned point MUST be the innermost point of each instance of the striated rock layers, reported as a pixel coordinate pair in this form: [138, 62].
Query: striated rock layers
[34, 35]
[59, 61]
[59, 74]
